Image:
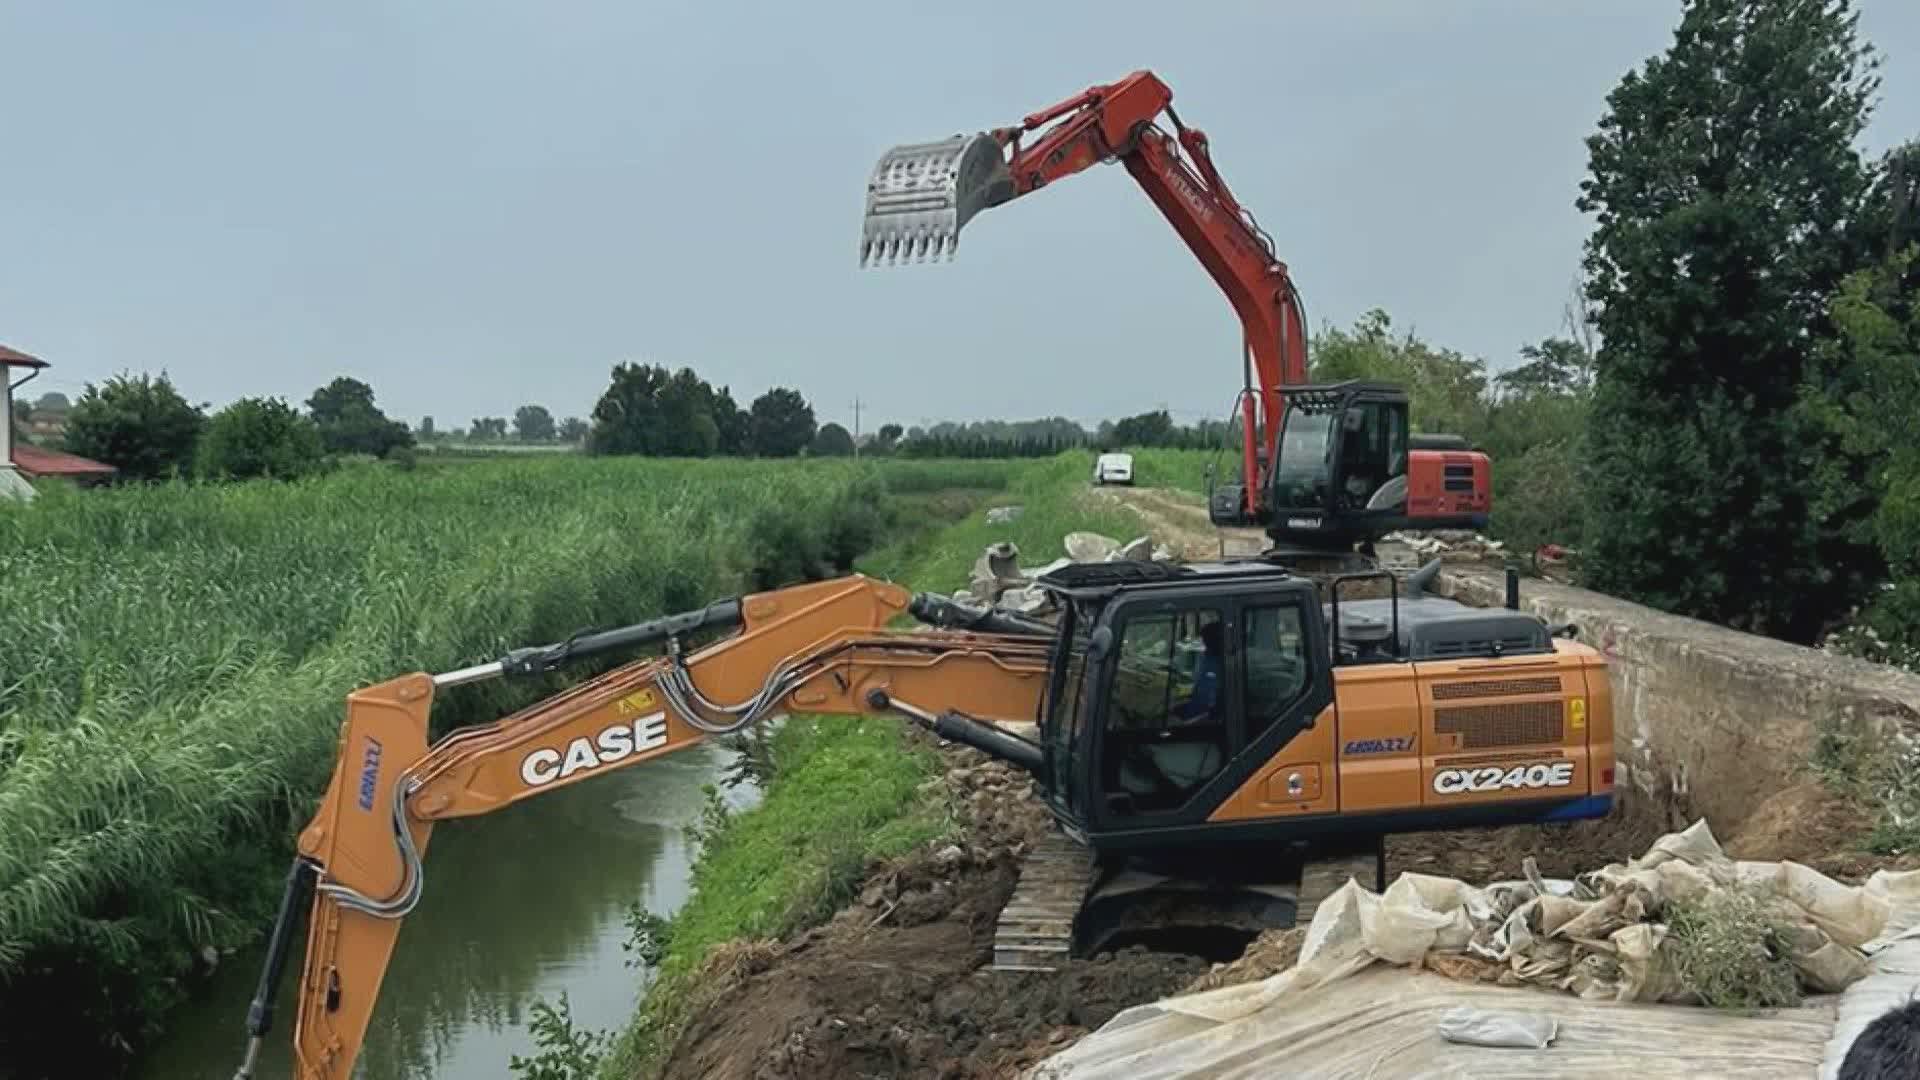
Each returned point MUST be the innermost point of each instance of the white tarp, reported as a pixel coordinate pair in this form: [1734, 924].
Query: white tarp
[1586, 953]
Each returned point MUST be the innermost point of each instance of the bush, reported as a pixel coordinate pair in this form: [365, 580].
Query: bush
[566, 1052]
[138, 424]
[1731, 951]
[259, 437]
[1537, 498]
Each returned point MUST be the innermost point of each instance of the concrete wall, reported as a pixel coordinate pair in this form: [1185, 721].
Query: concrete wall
[1710, 720]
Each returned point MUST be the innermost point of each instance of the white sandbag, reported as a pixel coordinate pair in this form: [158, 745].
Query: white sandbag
[1482, 1027]
[1090, 546]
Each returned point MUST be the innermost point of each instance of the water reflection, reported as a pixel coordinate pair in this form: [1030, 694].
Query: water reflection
[519, 905]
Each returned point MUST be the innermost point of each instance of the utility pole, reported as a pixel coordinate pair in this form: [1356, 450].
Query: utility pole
[856, 427]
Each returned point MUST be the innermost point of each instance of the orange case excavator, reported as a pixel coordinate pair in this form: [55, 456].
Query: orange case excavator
[1204, 734]
[1323, 467]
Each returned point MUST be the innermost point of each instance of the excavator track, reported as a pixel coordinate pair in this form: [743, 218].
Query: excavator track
[1036, 928]
[1035, 931]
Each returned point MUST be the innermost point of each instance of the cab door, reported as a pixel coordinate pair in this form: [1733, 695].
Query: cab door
[1199, 691]
[1285, 767]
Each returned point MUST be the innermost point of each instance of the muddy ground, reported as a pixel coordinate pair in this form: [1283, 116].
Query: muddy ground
[897, 984]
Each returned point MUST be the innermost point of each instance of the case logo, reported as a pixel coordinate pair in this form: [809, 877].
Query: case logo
[614, 742]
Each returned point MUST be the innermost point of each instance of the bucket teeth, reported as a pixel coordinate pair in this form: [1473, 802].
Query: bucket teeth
[921, 194]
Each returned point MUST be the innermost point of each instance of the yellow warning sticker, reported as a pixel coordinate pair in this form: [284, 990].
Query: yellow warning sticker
[1577, 713]
[638, 701]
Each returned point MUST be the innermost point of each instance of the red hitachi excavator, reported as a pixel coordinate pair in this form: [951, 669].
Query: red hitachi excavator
[1322, 468]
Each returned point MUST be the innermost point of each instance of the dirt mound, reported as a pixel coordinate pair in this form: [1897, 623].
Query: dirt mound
[1812, 824]
[1478, 856]
[1799, 822]
[896, 984]
[1273, 952]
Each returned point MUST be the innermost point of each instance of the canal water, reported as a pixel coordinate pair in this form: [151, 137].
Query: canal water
[520, 905]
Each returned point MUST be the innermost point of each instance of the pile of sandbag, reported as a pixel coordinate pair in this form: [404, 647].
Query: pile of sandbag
[999, 580]
[1601, 937]
[1450, 545]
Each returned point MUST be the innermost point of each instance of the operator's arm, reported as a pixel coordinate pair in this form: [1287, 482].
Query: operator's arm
[1206, 691]
[811, 648]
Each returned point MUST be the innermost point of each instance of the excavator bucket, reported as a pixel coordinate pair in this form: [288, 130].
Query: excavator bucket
[920, 195]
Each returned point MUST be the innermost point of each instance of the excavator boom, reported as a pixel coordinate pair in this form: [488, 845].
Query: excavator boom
[921, 195]
[808, 648]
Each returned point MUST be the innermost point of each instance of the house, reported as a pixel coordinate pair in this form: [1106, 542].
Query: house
[20, 460]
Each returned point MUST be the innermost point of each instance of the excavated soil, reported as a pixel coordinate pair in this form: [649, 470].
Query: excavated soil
[1562, 850]
[1811, 824]
[897, 985]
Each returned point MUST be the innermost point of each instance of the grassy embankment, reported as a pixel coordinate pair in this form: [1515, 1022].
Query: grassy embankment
[176, 659]
[846, 792]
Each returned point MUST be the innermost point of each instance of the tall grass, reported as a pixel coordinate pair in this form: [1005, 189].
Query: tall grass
[175, 659]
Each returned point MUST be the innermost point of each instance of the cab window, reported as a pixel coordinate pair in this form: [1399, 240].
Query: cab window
[1167, 721]
[1274, 663]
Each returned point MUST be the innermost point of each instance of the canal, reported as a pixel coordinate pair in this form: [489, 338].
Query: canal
[519, 906]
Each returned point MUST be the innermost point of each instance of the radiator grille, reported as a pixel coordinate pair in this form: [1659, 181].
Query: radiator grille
[1496, 688]
[1515, 723]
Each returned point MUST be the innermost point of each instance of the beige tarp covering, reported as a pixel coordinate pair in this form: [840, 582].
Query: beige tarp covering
[1585, 953]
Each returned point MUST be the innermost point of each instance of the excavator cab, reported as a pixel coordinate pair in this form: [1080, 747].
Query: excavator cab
[1341, 473]
[1348, 470]
[1169, 685]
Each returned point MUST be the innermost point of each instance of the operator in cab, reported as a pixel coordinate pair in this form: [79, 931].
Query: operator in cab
[1204, 701]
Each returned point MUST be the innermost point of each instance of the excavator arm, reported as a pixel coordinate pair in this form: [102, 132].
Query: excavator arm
[921, 195]
[816, 648]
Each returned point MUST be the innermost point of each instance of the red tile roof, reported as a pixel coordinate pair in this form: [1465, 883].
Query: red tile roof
[16, 358]
[35, 461]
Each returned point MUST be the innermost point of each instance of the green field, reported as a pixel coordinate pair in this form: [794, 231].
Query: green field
[176, 659]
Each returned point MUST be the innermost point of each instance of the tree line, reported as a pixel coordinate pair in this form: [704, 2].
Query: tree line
[143, 426]
[1722, 430]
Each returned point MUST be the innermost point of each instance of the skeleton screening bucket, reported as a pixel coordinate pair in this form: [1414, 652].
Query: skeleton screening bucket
[920, 195]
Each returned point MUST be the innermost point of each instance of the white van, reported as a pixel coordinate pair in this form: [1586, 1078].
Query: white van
[1113, 469]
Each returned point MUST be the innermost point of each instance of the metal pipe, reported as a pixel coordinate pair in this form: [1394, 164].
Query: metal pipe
[723, 614]
[990, 740]
[300, 881]
[474, 674]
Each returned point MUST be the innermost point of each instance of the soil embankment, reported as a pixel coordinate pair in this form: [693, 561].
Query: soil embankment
[897, 983]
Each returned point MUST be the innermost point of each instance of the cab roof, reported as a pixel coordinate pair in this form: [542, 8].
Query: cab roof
[1101, 580]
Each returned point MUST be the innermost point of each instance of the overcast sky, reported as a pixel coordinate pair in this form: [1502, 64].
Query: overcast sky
[475, 205]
